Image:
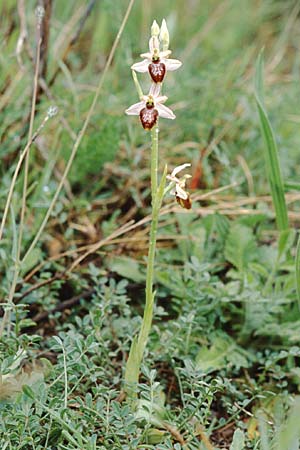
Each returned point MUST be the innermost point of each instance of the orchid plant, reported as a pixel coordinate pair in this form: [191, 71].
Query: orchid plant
[150, 107]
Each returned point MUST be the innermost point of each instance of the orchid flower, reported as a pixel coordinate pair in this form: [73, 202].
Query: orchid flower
[182, 196]
[150, 108]
[157, 62]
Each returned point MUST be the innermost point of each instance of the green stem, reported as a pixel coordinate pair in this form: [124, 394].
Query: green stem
[148, 311]
[154, 162]
[138, 345]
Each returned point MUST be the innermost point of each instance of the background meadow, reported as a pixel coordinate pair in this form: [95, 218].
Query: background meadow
[221, 369]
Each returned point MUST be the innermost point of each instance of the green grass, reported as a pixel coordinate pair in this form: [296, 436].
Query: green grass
[221, 369]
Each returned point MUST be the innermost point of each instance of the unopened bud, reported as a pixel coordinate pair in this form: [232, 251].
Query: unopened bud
[52, 111]
[39, 14]
[164, 35]
[154, 29]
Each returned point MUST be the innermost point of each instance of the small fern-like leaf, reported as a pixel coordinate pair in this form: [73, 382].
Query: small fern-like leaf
[240, 246]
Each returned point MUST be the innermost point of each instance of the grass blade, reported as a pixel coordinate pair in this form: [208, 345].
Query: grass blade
[271, 152]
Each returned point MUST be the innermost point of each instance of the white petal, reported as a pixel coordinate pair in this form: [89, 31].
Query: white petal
[179, 169]
[147, 56]
[165, 112]
[134, 110]
[173, 191]
[181, 192]
[161, 99]
[165, 54]
[153, 44]
[172, 64]
[155, 89]
[141, 66]
[171, 178]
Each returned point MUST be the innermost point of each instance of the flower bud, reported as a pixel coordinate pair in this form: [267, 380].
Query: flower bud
[164, 35]
[154, 29]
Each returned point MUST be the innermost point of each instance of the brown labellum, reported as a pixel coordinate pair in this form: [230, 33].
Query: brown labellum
[185, 203]
[157, 71]
[148, 117]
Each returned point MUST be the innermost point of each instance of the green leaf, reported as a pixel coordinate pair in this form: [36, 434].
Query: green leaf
[26, 323]
[258, 79]
[127, 268]
[289, 433]
[213, 358]
[28, 391]
[31, 260]
[222, 351]
[238, 441]
[132, 368]
[240, 246]
[154, 435]
[70, 439]
[270, 152]
[285, 242]
[294, 185]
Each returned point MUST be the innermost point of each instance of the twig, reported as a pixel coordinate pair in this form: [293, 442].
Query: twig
[175, 433]
[63, 305]
[58, 276]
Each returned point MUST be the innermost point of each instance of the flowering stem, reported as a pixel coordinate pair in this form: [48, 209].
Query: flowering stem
[138, 345]
[154, 162]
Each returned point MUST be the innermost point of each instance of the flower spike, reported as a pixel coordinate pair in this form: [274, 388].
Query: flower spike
[157, 62]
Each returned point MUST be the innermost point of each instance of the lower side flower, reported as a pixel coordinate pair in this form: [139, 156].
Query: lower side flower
[181, 195]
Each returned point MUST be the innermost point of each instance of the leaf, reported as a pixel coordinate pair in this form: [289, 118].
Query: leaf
[213, 358]
[127, 268]
[240, 246]
[263, 431]
[132, 369]
[28, 391]
[270, 152]
[238, 441]
[154, 435]
[289, 432]
[151, 412]
[222, 351]
[285, 242]
[31, 260]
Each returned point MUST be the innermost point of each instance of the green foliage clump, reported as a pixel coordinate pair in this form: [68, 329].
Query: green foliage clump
[99, 146]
